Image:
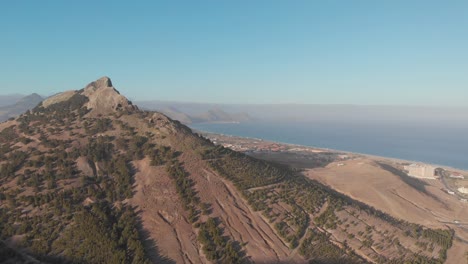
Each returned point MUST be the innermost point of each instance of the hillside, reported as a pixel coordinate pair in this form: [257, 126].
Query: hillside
[416, 200]
[87, 177]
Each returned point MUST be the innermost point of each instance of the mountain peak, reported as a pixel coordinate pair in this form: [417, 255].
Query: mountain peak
[102, 97]
[102, 82]
[33, 99]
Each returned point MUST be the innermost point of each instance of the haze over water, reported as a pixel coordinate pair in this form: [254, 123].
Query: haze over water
[426, 142]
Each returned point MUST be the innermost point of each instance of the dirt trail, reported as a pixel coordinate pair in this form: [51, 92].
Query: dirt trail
[162, 215]
[262, 187]
[294, 252]
[244, 224]
[260, 242]
[165, 221]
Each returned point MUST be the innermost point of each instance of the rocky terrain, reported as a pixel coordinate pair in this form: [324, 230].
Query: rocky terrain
[87, 177]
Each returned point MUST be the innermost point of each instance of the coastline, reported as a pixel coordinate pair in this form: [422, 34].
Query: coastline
[336, 151]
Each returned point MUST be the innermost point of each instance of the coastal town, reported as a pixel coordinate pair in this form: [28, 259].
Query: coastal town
[256, 145]
[455, 181]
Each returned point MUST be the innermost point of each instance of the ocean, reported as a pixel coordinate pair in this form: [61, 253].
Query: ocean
[442, 144]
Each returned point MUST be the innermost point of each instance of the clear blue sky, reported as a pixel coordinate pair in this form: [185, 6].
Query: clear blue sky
[327, 52]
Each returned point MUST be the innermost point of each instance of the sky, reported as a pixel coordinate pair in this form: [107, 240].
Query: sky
[263, 51]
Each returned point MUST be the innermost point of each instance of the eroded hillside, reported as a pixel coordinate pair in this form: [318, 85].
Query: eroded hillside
[86, 177]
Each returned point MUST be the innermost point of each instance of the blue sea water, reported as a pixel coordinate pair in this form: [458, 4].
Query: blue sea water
[443, 144]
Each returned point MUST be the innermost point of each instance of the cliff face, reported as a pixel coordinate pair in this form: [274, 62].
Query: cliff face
[86, 177]
[104, 98]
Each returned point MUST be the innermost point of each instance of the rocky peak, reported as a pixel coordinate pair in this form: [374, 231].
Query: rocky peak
[32, 96]
[104, 98]
[100, 83]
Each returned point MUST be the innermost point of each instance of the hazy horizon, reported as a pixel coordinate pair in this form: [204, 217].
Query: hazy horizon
[17, 96]
[441, 115]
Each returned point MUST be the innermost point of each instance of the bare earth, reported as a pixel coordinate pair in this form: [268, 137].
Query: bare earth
[166, 221]
[364, 180]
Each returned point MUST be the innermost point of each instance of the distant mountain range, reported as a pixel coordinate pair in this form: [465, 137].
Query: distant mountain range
[211, 116]
[18, 106]
[9, 99]
[189, 113]
[14, 105]
[317, 112]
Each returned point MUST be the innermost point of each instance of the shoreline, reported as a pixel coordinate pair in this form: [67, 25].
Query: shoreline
[393, 159]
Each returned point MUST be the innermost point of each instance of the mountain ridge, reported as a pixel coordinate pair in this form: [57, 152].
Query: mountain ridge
[212, 115]
[88, 168]
[22, 105]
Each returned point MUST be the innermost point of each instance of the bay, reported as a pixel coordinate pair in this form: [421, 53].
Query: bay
[443, 144]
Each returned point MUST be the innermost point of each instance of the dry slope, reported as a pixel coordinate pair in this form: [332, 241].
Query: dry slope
[87, 177]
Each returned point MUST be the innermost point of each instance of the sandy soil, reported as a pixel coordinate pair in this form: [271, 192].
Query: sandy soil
[364, 180]
[457, 253]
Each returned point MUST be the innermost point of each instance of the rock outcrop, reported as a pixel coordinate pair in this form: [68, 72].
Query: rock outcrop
[104, 98]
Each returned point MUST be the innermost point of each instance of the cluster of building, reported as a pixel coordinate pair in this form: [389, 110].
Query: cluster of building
[421, 171]
[456, 175]
[255, 146]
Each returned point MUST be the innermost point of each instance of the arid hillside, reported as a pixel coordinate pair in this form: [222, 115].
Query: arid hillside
[87, 177]
[388, 188]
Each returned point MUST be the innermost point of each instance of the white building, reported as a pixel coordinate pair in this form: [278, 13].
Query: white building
[421, 171]
[463, 190]
[457, 176]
